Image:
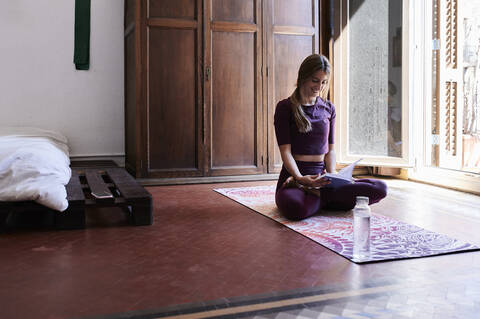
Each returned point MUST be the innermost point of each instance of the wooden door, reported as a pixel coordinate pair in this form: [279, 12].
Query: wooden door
[450, 84]
[233, 87]
[172, 61]
[291, 35]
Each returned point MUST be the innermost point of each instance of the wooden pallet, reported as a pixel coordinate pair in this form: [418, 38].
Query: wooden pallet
[95, 187]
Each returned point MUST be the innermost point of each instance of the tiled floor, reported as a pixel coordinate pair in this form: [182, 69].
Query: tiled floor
[457, 298]
[206, 256]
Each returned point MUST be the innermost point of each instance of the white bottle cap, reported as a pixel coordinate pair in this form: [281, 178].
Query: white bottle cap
[363, 199]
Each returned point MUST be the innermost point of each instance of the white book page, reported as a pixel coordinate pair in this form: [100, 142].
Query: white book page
[347, 171]
[345, 174]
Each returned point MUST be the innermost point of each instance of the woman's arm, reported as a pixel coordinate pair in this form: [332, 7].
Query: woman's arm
[330, 159]
[289, 161]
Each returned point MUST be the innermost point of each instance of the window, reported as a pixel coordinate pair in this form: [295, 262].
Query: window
[371, 81]
[406, 82]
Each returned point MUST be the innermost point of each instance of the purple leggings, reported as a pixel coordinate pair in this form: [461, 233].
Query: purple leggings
[296, 204]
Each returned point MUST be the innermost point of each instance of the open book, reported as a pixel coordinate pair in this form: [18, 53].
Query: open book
[344, 176]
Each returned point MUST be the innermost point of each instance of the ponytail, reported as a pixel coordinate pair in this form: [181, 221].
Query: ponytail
[303, 124]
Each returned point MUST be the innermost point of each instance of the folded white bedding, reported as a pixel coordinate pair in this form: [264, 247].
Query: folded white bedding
[34, 165]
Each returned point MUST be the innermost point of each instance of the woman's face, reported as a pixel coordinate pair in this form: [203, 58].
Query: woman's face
[312, 87]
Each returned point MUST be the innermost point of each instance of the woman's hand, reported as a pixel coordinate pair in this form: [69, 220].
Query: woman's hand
[308, 181]
[289, 182]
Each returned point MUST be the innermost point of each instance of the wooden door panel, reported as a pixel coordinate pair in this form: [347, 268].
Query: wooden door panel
[185, 9]
[285, 71]
[170, 119]
[234, 105]
[234, 10]
[293, 13]
[296, 48]
[234, 91]
[292, 35]
[172, 142]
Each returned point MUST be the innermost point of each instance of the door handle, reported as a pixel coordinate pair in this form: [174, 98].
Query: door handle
[207, 73]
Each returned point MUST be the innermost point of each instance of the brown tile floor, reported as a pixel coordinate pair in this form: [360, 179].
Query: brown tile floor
[204, 246]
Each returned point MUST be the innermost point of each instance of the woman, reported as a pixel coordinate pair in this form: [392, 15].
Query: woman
[305, 126]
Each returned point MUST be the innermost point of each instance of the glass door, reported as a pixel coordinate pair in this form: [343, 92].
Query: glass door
[406, 84]
[371, 82]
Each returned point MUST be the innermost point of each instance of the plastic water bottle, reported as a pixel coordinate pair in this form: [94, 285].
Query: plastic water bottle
[361, 229]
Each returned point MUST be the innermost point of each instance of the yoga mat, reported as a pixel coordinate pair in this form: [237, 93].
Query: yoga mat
[390, 239]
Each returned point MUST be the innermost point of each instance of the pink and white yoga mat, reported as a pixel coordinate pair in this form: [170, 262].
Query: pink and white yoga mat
[390, 239]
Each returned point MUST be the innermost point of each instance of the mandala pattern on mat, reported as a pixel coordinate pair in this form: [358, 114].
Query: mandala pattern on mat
[389, 238]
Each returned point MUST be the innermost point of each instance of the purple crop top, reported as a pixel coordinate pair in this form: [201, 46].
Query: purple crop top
[321, 115]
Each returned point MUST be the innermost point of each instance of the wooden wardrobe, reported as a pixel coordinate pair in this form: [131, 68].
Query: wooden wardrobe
[202, 79]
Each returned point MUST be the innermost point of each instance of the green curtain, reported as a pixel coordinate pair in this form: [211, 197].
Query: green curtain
[81, 55]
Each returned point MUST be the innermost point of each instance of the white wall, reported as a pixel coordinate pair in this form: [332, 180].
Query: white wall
[39, 85]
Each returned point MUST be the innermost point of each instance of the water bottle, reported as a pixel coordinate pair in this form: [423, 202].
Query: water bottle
[361, 229]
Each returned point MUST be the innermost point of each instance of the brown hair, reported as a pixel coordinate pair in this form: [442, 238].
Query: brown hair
[313, 63]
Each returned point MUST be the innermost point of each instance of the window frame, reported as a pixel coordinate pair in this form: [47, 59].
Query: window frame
[416, 100]
[341, 91]
[423, 171]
